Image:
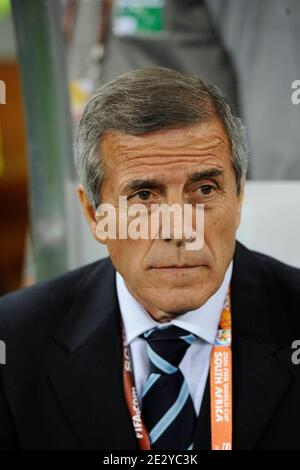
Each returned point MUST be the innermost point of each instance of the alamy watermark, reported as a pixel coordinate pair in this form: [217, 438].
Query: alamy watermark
[2, 92]
[296, 353]
[295, 96]
[143, 221]
[2, 352]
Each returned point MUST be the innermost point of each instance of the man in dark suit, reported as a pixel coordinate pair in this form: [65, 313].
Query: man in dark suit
[148, 315]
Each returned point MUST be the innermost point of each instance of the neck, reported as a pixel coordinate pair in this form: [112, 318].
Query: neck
[157, 315]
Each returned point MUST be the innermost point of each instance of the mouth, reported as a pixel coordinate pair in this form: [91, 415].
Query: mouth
[177, 268]
[178, 276]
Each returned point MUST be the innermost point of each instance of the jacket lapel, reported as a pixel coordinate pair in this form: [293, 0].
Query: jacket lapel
[202, 440]
[89, 384]
[260, 383]
[259, 329]
[260, 379]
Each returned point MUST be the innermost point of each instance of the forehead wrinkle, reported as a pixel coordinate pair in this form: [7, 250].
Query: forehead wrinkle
[167, 150]
[131, 151]
[164, 177]
[127, 141]
[141, 168]
[205, 130]
[174, 155]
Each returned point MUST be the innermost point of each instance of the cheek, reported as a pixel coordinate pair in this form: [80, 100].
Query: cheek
[220, 225]
[127, 256]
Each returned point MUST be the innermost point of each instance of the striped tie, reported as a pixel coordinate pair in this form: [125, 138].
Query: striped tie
[167, 408]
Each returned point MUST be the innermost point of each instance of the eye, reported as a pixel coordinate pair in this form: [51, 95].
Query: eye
[143, 195]
[206, 189]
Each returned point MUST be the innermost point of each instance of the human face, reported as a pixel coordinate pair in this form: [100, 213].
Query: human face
[186, 165]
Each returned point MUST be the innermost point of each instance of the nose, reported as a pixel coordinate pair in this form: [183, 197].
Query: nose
[176, 221]
[176, 230]
[179, 241]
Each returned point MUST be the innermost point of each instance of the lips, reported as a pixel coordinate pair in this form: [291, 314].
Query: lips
[178, 266]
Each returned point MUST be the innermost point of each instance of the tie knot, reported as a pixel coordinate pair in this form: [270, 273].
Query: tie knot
[166, 347]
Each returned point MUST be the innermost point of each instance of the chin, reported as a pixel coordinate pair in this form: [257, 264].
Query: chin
[178, 303]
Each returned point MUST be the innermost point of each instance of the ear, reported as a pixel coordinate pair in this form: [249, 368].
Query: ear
[240, 204]
[89, 211]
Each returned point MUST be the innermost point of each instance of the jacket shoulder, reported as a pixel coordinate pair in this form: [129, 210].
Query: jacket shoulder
[280, 279]
[51, 297]
[285, 275]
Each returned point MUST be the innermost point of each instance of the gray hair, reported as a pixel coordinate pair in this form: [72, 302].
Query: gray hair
[148, 100]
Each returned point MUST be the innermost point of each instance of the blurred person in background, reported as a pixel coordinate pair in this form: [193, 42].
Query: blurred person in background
[247, 49]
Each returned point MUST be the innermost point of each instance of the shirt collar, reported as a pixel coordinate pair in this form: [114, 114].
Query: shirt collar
[203, 322]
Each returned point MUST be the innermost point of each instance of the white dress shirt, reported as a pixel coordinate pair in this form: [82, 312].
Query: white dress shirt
[202, 322]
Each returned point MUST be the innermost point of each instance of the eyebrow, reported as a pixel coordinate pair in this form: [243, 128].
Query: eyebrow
[206, 174]
[143, 183]
[147, 183]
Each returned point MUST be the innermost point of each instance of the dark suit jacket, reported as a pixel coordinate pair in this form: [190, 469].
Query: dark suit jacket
[62, 385]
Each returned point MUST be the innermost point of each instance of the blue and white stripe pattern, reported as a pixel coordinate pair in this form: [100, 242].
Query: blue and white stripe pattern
[167, 408]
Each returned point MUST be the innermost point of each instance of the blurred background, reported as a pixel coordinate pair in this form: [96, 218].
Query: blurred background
[55, 53]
